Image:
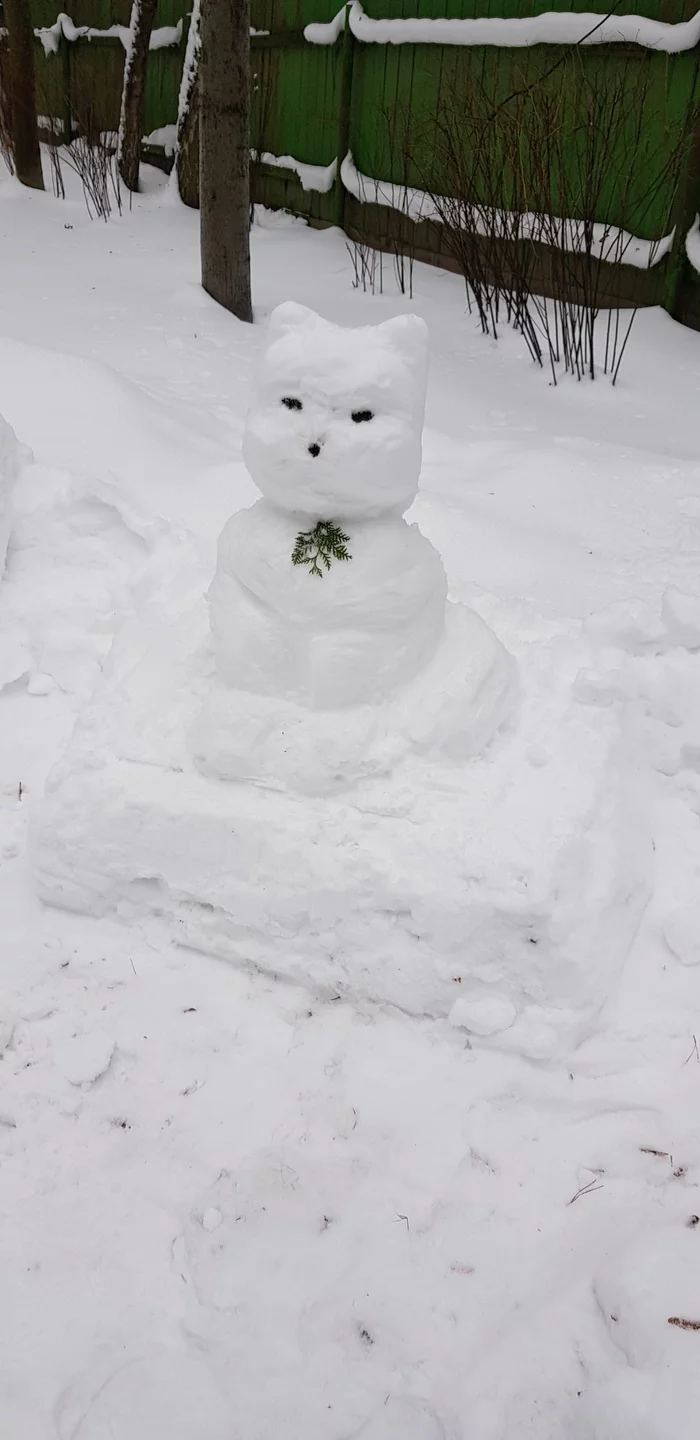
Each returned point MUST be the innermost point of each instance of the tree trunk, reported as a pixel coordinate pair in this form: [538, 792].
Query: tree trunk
[224, 154]
[22, 94]
[187, 148]
[143, 14]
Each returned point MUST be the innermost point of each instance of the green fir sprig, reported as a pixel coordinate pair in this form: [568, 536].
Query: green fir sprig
[320, 546]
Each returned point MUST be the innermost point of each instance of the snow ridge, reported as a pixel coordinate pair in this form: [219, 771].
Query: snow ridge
[549, 28]
[319, 178]
[609, 242]
[63, 28]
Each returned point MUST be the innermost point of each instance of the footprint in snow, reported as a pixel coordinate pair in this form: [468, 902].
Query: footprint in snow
[83, 1058]
[400, 1419]
[165, 1394]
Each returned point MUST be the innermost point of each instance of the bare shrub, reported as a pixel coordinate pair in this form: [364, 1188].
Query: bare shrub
[595, 156]
[91, 155]
[525, 190]
[368, 270]
[399, 237]
[94, 160]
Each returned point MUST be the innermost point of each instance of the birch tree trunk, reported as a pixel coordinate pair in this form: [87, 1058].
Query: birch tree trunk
[187, 147]
[224, 154]
[143, 14]
[21, 93]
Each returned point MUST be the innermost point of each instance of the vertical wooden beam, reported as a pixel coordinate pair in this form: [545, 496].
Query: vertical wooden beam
[347, 59]
[66, 106]
[686, 207]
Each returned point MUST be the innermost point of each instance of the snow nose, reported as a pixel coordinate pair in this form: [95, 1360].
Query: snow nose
[314, 449]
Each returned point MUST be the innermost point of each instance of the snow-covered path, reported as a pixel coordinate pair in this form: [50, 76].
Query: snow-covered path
[230, 1211]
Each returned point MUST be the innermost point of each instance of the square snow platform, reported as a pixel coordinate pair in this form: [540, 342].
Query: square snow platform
[504, 891]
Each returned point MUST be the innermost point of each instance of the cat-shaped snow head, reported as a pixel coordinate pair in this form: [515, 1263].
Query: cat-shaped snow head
[334, 429]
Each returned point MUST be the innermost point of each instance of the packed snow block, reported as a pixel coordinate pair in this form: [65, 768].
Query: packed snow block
[511, 883]
[11, 456]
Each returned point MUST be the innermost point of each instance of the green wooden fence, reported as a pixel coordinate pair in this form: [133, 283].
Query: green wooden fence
[384, 98]
[84, 76]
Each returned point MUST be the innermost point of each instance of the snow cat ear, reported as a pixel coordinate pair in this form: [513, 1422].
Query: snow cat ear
[290, 316]
[408, 336]
[406, 332]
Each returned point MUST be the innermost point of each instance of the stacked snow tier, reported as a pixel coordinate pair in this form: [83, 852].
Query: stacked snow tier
[505, 890]
[326, 775]
[10, 454]
[333, 441]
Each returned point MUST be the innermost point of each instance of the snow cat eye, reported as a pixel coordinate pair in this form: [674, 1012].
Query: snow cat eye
[292, 403]
[360, 415]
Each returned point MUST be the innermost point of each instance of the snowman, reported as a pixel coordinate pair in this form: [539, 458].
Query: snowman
[328, 610]
[361, 843]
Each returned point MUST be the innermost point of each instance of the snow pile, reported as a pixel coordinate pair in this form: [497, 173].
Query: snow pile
[11, 457]
[80, 552]
[165, 135]
[518, 878]
[165, 35]
[654, 664]
[551, 28]
[85, 547]
[132, 439]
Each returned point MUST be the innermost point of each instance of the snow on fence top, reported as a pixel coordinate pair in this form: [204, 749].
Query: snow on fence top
[63, 28]
[550, 28]
[320, 178]
[607, 242]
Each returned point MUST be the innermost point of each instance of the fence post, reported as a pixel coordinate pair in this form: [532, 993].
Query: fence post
[346, 63]
[67, 120]
[686, 210]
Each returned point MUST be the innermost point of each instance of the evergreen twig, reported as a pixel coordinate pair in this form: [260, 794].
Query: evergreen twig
[320, 546]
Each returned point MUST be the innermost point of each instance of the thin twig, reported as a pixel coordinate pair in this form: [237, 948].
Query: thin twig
[585, 1190]
[694, 1052]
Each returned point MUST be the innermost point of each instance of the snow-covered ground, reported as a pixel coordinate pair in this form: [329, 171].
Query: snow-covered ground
[230, 1210]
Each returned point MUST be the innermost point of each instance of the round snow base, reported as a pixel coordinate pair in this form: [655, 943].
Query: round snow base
[452, 707]
[511, 882]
